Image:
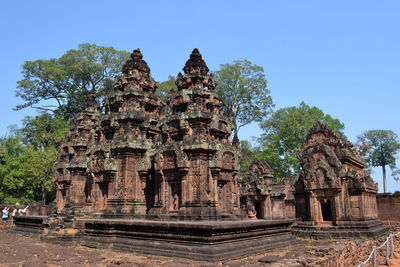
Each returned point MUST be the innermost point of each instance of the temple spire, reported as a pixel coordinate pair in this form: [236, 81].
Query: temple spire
[136, 62]
[196, 64]
[91, 104]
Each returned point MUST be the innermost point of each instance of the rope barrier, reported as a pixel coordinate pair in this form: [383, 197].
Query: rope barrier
[362, 263]
[389, 251]
[383, 243]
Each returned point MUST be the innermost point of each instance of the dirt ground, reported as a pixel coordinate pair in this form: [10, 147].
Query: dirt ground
[18, 250]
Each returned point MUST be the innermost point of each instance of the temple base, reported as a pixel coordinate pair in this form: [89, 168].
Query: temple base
[342, 229]
[197, 240]
[29, 224]
[205, 240]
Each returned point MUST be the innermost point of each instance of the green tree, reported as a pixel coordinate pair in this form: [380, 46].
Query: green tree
[379, 148]
[27, 158]
[244, 88]
[42, 136]
[42, 172]
[166, 87]
[282, 166]
[43, 131]
[249, 153]
[26, 176]
[61, 84]
[284, 133]
[11, 184]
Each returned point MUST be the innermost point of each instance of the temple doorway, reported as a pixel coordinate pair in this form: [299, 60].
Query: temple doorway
[259, 211]
[326, 208]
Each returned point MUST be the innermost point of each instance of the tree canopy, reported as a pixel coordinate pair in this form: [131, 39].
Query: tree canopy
[166, 87]
[243, 86]
[249, 153]
[43, 131]
[284, 133]
[27, 159]
[61, 84]
[379, 148]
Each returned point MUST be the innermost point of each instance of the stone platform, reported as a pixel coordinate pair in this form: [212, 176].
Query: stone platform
[29, 224]
[342, 229]
[202, 240]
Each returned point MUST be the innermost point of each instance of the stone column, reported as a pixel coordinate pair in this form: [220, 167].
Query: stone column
[184, 196]
[338, 210]
[313, 208]
[361, 206]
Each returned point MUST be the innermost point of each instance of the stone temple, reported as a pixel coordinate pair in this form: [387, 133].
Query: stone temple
[162, 177]
[105, 161]
[264, 198]
[335, 197]
[196, 166]
[155, 177]
[135, 162]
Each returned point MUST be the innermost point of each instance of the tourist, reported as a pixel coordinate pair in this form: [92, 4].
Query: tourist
[22, 212]
[5, 214]
[13, 214]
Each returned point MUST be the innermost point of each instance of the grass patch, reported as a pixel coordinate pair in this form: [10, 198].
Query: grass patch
[363, 237]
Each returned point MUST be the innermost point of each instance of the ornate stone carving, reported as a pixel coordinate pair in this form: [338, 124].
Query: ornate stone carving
[132, 161]
[262, 197]
[111, 153]
[332, 172]
[197, 133]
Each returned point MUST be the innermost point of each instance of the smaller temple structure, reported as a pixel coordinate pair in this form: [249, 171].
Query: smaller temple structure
[334, 195]
[264, 198]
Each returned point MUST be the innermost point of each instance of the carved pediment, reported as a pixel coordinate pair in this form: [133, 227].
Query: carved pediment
[326, 159]
[260, 175]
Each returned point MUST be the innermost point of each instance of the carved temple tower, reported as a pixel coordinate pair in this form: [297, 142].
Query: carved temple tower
[196, 168]
[72, 162]
[126, 139]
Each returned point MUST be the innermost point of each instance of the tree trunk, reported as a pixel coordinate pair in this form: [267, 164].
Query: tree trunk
[384, 178]
[44, 194]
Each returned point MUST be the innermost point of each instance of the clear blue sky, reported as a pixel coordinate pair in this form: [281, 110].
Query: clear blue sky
[341, 56]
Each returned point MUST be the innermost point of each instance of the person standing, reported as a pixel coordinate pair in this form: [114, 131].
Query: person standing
[5, 214]
[13, 214]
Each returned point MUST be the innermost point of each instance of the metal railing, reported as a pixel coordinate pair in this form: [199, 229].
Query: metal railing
[389, 245]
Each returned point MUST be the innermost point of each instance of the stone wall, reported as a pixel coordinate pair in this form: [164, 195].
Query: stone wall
[388, 206]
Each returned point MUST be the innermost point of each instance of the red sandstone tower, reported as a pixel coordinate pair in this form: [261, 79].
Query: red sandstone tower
[71, 165]
[105, 161]
[196, 167]
[127, 137]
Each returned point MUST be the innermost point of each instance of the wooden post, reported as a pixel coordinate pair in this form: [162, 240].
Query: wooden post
[387, 259]
[391, 246]
[374, 257]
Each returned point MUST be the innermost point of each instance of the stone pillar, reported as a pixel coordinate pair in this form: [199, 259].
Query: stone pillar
[184, 189]
[337, 208]
[361, 204]
[313, 208]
